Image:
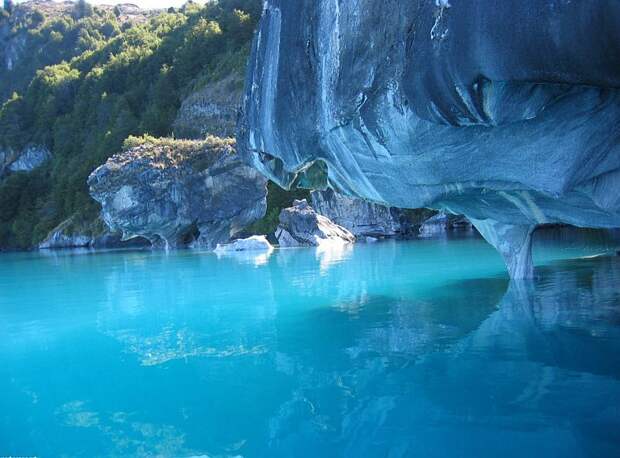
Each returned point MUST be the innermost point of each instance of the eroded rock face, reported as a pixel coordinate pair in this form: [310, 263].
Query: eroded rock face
[506, 112]
[300, 225]
[179, 192]
[62, 237]
[441, 223]
[68, 234]
[358, 216]
[30, 158]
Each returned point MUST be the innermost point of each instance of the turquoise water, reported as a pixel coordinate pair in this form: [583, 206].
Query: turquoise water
[418, 348]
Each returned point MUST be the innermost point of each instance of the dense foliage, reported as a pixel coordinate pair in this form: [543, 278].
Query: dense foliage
[93, 80]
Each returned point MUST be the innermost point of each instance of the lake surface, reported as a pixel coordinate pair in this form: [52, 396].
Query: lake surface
[420, 348]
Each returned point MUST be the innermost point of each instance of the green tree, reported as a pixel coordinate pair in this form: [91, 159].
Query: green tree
[12, 127]
[37, 18]
[82, 9]
[98, 82]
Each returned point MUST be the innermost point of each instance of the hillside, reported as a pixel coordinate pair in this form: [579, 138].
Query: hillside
[77, 80]
[43, 32]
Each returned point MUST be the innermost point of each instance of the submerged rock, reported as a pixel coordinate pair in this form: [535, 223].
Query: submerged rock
[179, 192]
[445, 105]
[300, 225]
[253, 243]
[360, 217]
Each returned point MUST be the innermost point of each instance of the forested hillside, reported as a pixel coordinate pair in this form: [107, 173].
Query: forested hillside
[79, 80]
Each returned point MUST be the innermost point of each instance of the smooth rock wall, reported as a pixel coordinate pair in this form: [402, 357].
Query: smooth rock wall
[506, 112]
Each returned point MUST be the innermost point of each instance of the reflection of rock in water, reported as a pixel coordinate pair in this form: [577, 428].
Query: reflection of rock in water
[526, 351]
[412, 376]
[564, 242]
[374, 338]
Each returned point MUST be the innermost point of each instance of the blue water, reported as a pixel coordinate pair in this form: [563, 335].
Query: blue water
[419, 348]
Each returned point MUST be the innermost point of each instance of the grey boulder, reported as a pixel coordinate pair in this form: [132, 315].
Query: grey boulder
[253, 243]
[300, 225]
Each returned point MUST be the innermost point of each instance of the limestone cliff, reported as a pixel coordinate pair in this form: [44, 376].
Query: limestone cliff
[175, 193]
[506, 112]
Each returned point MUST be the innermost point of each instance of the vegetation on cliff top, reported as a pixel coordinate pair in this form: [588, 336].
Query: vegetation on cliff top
[95, 78]
[166, 152]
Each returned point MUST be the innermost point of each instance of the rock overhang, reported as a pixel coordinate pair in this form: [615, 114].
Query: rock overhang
[505, 112]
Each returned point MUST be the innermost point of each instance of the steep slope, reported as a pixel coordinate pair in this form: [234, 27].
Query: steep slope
[127, 74]
[506, 112]
[39, 33]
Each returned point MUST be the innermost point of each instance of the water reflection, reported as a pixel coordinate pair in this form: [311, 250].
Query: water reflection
[253, 257]
[538, 370]
[330, 254]
[421, 349]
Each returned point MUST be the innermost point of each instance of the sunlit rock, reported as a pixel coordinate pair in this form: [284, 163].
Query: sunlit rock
[300, 225]
[63, 237]
[506, 112]
[179, 192]
[253, 243]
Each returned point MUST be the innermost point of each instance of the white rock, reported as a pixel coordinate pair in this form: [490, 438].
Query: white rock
[254, 243]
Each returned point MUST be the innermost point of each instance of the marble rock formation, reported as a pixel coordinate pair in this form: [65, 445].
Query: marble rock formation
[506, 112]
[175, 193]
[253, 243]
[441, 223]
[361, 218]
[300, 225]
